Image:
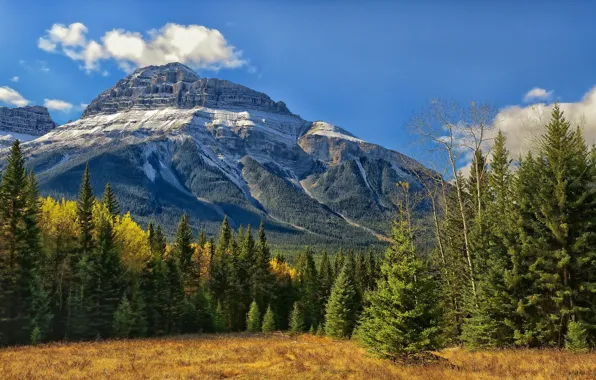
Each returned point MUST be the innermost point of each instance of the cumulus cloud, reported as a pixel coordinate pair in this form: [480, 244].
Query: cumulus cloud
[15, 79]
[194, 45]
[537, 94]
[12, 97]
[57, 105]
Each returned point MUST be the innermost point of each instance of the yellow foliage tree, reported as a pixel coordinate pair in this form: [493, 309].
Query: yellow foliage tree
[133, 242]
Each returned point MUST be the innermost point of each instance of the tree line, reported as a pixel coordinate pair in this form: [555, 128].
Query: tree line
[515, 252]
[79, 270]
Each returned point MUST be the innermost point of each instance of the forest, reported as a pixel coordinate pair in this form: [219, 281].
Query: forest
[512, 263]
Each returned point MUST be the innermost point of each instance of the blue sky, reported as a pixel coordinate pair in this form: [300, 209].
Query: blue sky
[365, 66]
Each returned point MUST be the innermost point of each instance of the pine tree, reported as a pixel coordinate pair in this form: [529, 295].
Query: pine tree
[269, 321]
[308, 287]
[183, 245]
[175, 295]
[19, 250]
[253, 318]
[558, 243]
[262, 281]
[490, 323]
[105, 285]
[297, 324]
[110, 201]
[85, 202]
[338, 264]
[326, 280]
[124, 319]
[341, 310]
[219, 323]
[403, 316]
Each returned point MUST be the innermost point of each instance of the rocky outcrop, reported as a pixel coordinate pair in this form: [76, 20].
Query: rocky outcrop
[175, 85]
[170, 142]
[35, 121]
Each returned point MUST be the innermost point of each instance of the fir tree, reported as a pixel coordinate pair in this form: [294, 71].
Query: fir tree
[341, 310]
[269, 321]
[124, 319]
[490, 324]
[110, 201]
[297, 324]
[262, 281]
[85, 202]
[403, 316]
[308, 287]
[104, 283]
[183, 245]
[253, 318]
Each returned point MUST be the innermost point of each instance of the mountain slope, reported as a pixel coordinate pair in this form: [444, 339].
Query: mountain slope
[171, 142]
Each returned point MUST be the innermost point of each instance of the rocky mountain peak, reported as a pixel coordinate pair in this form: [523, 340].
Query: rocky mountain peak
[176, 85]
[33, 120]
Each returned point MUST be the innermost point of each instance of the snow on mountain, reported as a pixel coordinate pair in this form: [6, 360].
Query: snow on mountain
[172, 142]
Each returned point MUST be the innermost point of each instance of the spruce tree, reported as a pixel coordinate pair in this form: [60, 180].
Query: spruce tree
[19, 250]
[491, 323]
[85, 202]
[297, 324]
[308, 287]
[110, 201]
[269, 321]
[403, 316]
[326, 280]
[262, 282]
[124, 319]
[342, 307]
[253, 318]
[183, 245]
[105, 285]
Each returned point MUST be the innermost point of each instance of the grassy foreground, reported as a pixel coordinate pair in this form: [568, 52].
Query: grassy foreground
[259, 357]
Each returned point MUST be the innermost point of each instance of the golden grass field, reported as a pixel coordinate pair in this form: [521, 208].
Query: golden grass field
[277, 356]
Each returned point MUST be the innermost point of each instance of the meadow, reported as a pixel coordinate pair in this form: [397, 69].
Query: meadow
[274, 356]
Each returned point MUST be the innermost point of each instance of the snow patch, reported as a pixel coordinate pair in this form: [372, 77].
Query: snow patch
[321, 128]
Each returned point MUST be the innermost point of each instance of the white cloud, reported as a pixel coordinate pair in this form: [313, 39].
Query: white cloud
[537, 94]
[194, 45]
[10, 96]
[15, 79]
[524, 125]
[57, 105]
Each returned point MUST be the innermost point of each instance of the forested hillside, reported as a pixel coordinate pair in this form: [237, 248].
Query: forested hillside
[512, 263]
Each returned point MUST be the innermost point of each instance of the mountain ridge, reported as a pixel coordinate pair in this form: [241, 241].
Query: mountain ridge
[236, 153]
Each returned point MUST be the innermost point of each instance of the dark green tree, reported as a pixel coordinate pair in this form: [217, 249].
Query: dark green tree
[403, 317]
[343, 304]
[110, 201]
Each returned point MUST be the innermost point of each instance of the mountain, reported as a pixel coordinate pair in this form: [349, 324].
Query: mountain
[24, 123]
[171, 142]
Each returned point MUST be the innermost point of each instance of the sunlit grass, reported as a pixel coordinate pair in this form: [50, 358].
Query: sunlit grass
[276, 356]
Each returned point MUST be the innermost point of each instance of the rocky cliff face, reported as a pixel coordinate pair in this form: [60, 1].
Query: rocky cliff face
[34, 121]
[170, 142]
[175, 85]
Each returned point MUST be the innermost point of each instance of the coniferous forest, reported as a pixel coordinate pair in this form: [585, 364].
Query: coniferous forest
[511, 262]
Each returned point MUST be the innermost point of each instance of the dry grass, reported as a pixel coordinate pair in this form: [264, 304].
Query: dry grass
[259, 357]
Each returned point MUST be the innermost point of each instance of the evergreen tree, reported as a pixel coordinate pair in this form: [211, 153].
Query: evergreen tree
[308, 287]
[490, 323]
[19, 250]
[342, 307]
[110, 201]
[262, 281]
[269, 321]
[297, 324]
[253, 318]
[183, 245]
[85, 202]
[105, 285]
[326, 280]
[219, 323]
[175, 295]
[403, 316]
[124, 319]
